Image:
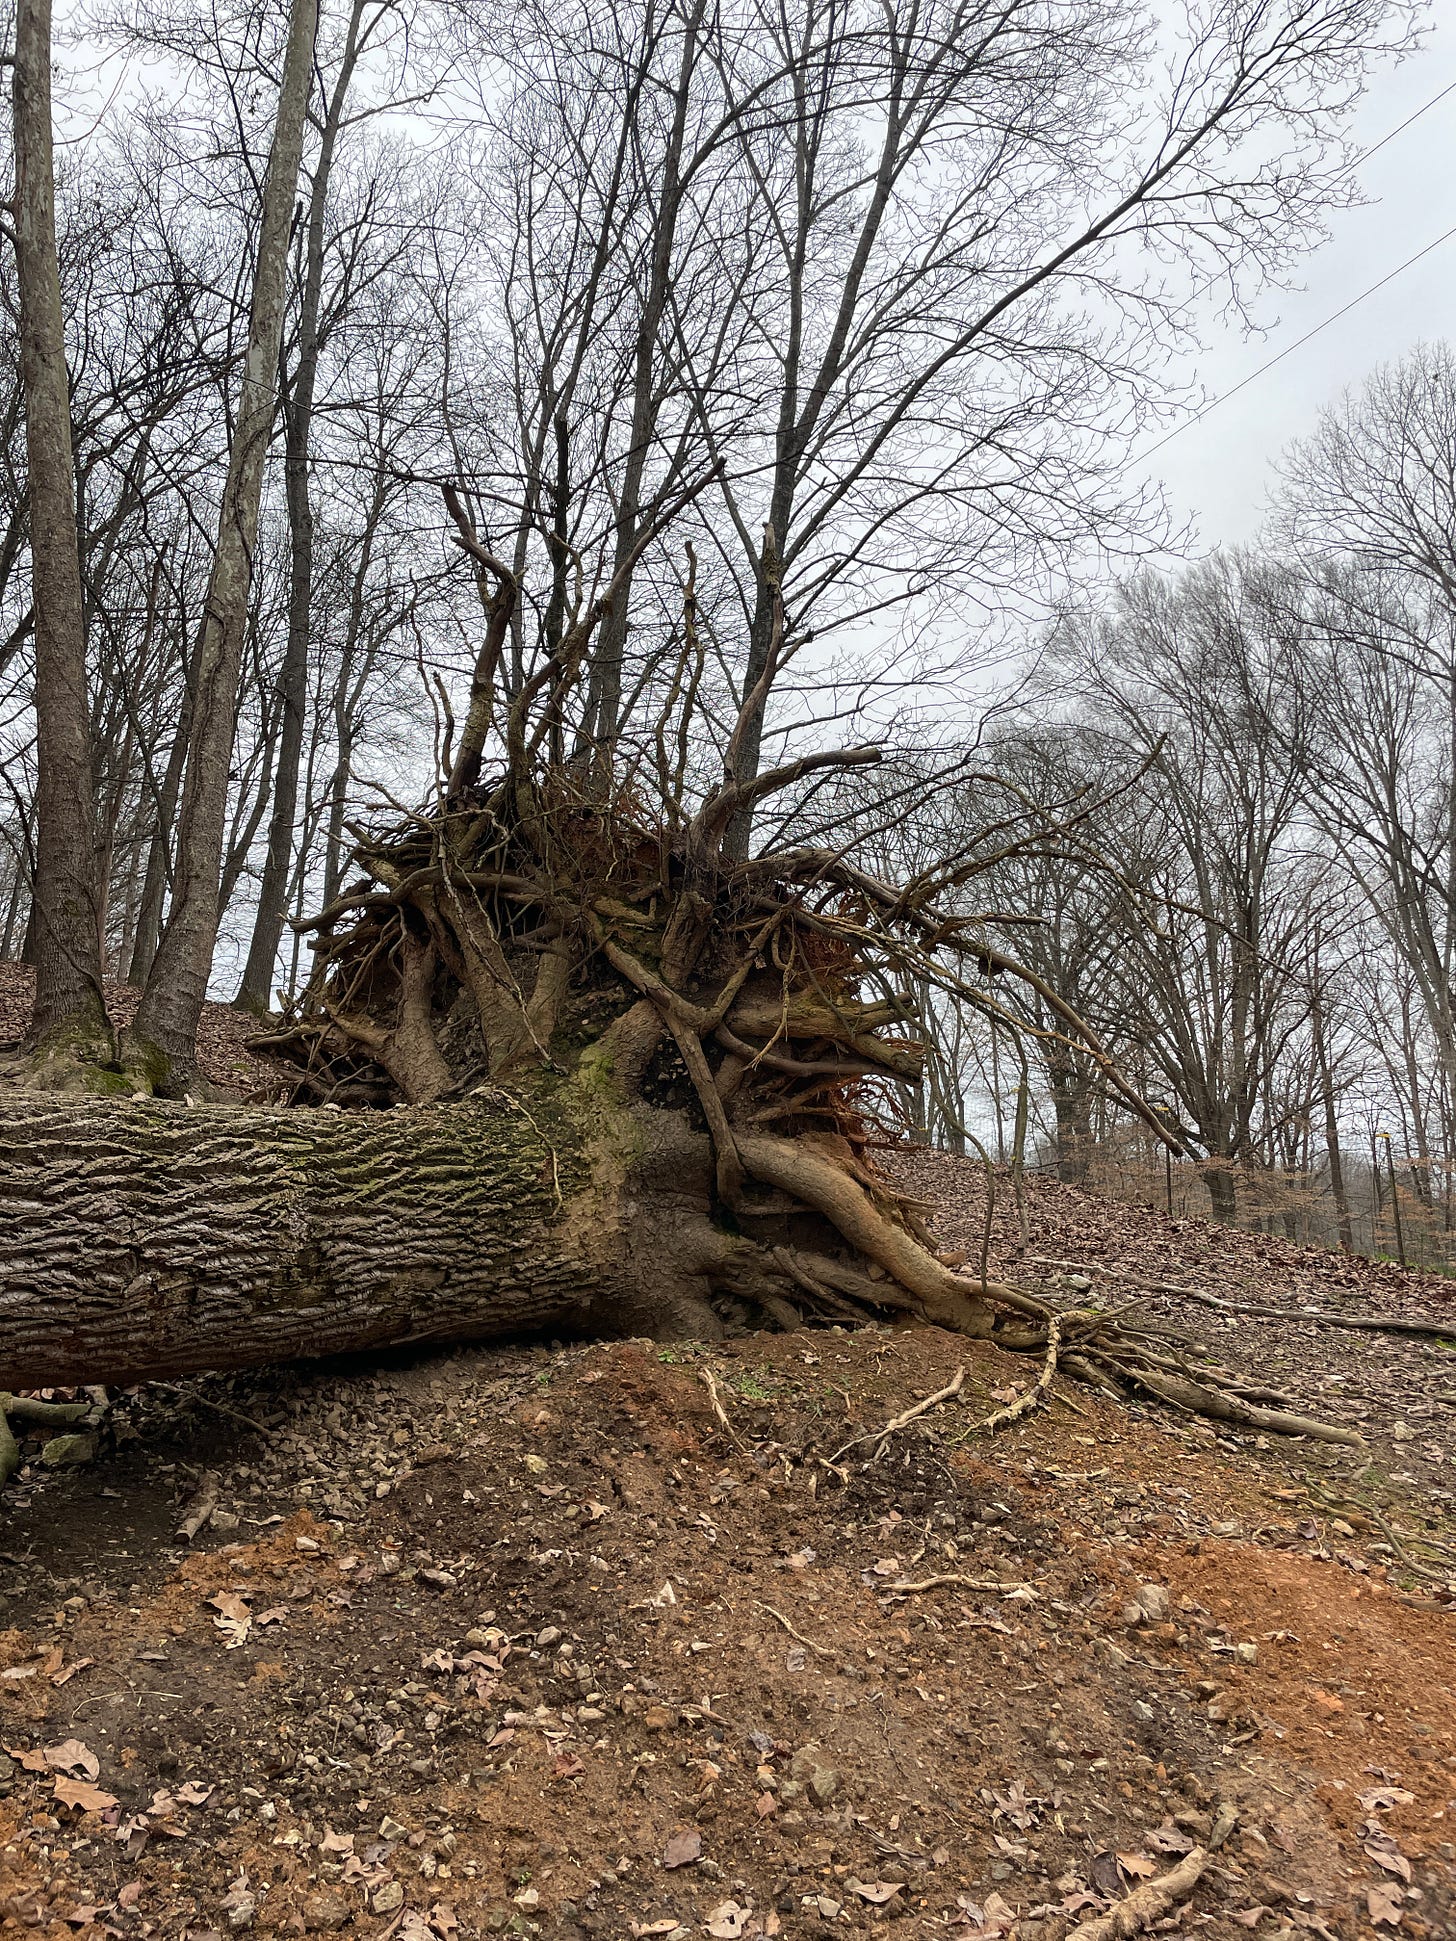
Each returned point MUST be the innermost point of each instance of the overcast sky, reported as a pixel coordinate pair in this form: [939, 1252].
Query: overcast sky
[1218, 471]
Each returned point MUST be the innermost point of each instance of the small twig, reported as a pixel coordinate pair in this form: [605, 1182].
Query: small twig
[198, 1511]
[191, 1395]
[903, 1587]
[881, 1436]
[722, 1414]
[823, 1651]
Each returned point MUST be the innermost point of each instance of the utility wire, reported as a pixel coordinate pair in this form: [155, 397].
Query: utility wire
[1334, 317]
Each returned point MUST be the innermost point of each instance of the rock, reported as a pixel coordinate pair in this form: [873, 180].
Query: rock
[547, 1636]
[1402, 1431]
[325, 1911]
[659, 1718]
[1152, 1599]
[1247, 1654]
[63, 1452]
[240, 1907]
[820, 1779]
[1143, 1711]
[388, 1898]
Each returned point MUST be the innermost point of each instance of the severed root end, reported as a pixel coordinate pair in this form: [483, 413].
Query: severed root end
[1146, 1904]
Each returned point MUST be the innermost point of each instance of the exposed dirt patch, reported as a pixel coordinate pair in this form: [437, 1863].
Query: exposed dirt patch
[536, 1625]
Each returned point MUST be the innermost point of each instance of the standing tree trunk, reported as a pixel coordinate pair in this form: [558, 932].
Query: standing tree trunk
[69, 1012]
[161, 1045]
[255, 992]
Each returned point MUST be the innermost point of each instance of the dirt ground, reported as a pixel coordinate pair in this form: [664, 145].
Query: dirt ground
[528, 1641]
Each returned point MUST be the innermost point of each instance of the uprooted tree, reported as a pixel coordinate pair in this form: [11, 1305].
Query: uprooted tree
[564, 1063]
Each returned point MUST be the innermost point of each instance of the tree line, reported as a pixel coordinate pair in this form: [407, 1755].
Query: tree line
[1252, 763]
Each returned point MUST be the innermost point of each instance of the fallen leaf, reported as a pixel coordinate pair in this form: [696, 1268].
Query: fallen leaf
[1105, 1872]
[683, 1848]
[876, 1892]
[726, 1921]
[69, 1671]
[1390, 1858]
[191, 1794]
[276, 1616]
[1137, 1865]
[71, 1756]
[1379, 1797]
[32, 1758]
[78, 1792]
[1383, 1904]
[336, 1842]
[641, 1929]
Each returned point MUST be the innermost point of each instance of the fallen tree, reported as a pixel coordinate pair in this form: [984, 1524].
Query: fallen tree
[566, 1062]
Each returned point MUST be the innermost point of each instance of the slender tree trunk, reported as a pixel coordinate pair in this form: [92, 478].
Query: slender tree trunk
[163, 1038]
[65, 921]
[256, 990]
[159, 850]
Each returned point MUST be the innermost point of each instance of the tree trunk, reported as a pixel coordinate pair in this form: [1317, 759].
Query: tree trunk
[163, 1037]
[65, 923]
[256, 990]
[1218, 1177]
[150, 1239]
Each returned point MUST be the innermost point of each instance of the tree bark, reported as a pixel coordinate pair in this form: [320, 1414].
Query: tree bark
[65, 919]
[151, 1239]
[162, 1041]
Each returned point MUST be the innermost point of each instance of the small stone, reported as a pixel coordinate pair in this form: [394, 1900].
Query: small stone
[548, 1635]
[1152, 1599]
[240, 1907]
[388, 1898]
[63, 1452]
[1403, 1432]
[536, 1465]
[324, 1912]
[589, 1714]
[659, 1718]
[822, 1781]
[1247, 1654]
[1143, 1711]
[390, 1829]
[307, 1545]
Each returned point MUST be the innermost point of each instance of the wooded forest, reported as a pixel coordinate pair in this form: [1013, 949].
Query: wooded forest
[546, 560]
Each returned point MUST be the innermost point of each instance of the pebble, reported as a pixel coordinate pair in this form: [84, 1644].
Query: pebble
[324, 1912]
[1152, 1599]
[548, 1635]
[388, 1897]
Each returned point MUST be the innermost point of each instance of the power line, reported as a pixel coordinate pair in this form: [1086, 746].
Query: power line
[1334, 317]
[1288, 349]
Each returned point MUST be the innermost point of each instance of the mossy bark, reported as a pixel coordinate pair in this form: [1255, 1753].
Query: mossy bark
[148, 1238]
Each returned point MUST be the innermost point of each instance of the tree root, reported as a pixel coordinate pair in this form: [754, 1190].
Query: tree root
[1024, 1404]
[881, 1436]
[1146, 1904]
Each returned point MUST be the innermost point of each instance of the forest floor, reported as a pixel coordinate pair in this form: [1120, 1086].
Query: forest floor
[527, 1641]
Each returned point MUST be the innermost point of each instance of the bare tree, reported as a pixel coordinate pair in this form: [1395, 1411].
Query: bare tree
[69, 1010]
[162, 1040]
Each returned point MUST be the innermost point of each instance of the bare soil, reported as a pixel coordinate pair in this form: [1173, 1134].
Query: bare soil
[526, 1641]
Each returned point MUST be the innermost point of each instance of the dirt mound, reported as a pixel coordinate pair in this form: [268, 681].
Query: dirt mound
[539, 1642]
